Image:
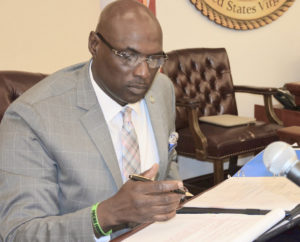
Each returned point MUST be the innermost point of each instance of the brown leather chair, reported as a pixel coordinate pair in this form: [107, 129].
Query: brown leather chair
[13, 84]
[204, 87]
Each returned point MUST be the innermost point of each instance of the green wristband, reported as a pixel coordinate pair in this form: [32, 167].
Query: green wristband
[95, 221]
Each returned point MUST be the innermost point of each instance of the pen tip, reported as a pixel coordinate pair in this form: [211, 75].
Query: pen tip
[188, 194]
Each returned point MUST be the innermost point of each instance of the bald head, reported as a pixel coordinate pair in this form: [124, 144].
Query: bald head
[127, 15]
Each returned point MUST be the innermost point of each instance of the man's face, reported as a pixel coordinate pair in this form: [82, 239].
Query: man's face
[124, 82]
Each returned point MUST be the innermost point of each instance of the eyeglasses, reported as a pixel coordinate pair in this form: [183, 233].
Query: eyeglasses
[132, 59]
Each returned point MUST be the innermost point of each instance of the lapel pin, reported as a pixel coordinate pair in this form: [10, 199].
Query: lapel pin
[152, 100]
[173, 140]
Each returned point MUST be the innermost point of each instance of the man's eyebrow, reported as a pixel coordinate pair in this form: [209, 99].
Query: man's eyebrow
[139, 53]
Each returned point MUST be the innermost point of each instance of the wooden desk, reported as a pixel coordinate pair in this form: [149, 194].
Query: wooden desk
[288, 117]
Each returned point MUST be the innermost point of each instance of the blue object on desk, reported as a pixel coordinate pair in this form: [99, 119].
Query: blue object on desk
[256, 167]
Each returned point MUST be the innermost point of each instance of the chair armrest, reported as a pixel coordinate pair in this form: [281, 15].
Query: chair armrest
[193, 121]
[256, 90]
[267, 92]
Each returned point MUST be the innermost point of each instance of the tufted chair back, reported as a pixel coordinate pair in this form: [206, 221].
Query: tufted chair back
[204, 87]
[204, 75]
[13, 84]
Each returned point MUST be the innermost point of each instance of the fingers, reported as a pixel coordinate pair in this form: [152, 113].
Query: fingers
[164, 217]
[157, 212]
[158, 199]
[158, 186]
[141, 202]
[151, 173]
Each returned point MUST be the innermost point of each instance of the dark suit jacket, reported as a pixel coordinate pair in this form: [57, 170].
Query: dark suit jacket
[57, 157]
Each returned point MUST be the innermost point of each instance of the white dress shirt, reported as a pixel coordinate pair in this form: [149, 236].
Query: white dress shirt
[143, 128]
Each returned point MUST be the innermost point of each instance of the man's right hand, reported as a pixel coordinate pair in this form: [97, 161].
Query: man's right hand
[140, 202]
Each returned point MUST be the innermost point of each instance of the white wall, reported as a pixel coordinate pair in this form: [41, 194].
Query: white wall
[44, 36]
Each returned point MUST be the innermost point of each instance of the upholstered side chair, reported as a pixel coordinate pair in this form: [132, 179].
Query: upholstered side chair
[204, 87]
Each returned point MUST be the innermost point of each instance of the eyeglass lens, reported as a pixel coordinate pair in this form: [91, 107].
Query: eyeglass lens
[134, 59]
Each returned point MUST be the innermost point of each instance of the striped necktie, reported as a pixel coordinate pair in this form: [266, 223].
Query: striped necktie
[130, 147]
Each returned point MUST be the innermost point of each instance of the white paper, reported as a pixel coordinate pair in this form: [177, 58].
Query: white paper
[208, 227]
[271, 193]
[251, 192]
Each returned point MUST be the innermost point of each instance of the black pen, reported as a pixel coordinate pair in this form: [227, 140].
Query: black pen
[135, 177]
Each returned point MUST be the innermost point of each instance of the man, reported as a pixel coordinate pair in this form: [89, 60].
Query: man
[63, 170]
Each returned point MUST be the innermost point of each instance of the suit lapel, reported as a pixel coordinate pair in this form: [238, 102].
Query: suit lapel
[161, 135]
[95, 124]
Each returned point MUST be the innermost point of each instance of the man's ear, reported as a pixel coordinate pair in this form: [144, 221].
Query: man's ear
[93, 43]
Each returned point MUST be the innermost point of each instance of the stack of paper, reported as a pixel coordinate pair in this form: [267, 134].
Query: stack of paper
[272, 193]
